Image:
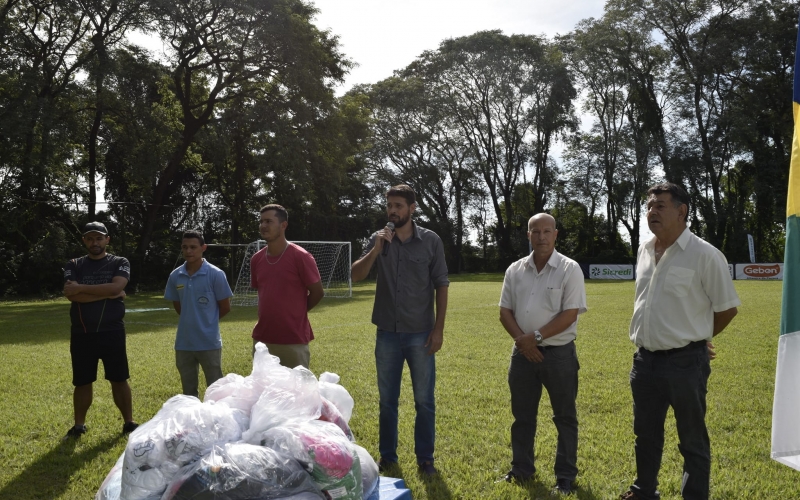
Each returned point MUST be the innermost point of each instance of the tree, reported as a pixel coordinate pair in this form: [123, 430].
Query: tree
[705, 43]
[509, 96]
[416, 143]
[233, 53]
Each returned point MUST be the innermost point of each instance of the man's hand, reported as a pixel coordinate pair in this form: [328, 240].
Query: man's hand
[120, 295]
[435, 341]
[71, 288]
[712, 354]
[529, 348]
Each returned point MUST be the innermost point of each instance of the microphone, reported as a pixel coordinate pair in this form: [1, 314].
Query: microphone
[390, 225]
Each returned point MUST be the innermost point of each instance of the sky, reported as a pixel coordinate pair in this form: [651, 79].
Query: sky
[383, 36]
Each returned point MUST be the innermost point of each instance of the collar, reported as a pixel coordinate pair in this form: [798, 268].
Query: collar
[416, 230]
[554, 261]
[203, 268]
[682, 240]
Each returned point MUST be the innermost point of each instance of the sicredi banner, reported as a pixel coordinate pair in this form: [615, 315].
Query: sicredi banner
[759, 271]
[611, 271]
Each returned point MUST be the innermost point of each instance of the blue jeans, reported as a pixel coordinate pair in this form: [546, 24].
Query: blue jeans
[558, 373]
[679, 380]
[392, 349]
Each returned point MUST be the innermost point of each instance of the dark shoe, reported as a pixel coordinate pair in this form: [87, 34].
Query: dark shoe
[427, 469]
[513, 477]
[75, 431]
[563, 487]
[629, 495]
[129, 427]
[385, 465]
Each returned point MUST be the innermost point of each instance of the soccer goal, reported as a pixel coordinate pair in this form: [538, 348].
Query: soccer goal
[333, 262]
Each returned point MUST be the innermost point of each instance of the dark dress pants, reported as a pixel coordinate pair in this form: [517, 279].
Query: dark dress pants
[558, 373]
[680, 380]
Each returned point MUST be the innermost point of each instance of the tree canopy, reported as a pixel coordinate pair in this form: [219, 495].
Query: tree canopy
[240, 109]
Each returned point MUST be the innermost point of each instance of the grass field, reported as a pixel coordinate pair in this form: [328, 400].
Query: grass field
[473, 415]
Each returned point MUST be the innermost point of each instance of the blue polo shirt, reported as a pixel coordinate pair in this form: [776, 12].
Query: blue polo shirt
[198, 326]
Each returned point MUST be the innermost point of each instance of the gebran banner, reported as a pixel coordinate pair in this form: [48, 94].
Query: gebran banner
[611, 271]
[759, 271]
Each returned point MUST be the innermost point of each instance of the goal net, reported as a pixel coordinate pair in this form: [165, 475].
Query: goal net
[333, 262]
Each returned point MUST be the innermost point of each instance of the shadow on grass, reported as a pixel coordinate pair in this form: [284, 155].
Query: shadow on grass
[476, 277]
[50, 474]
[48, 321]
[435, 486]
[537, 490]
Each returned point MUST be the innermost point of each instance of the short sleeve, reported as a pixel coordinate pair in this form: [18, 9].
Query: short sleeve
[574, 291]
[123, 268]
[507, 292]
[309, 273]
[222, 290]
[71, 271]
[170, 293]
[717, 283]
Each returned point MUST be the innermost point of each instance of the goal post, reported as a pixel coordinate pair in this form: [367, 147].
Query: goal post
[333, 262]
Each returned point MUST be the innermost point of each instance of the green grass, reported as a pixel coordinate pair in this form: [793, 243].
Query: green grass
[473, 415]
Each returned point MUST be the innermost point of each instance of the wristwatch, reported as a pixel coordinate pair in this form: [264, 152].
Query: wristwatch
[538, 336]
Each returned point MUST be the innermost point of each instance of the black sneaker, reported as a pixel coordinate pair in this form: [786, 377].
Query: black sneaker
[129, 427]
[75, 431]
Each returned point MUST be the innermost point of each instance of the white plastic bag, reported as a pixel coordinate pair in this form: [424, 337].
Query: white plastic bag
[330, 389]
[369, 471]
[109, 490]
[181, 432]
[294, 398]
[237, 392]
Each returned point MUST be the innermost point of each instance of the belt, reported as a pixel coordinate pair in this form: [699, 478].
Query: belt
[544, 348]
[691, 345]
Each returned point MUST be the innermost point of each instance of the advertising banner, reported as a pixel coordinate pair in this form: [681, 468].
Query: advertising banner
[759, 271]
[611, 271]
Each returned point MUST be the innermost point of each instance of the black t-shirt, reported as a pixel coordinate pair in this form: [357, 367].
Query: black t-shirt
[102, 315]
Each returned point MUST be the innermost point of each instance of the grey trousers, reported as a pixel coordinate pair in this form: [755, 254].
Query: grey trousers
[187, 363]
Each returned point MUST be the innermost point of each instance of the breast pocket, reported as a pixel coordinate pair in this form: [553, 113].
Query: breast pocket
[553, 299]
[419, 275]
[679, 281]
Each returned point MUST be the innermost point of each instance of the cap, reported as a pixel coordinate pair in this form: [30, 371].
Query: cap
[95, 227]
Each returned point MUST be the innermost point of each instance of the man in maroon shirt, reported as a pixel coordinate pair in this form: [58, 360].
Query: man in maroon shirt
[289, 285]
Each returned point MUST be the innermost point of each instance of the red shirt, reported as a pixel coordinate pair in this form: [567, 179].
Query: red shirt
[283, 295]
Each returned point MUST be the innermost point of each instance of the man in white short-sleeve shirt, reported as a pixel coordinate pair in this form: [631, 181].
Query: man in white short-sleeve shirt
[542, 296]
[684, 297]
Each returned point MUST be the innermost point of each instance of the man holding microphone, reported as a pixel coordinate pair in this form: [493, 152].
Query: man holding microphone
[412, 276]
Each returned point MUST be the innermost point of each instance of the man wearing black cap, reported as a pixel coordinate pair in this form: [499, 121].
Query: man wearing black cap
[95, 284]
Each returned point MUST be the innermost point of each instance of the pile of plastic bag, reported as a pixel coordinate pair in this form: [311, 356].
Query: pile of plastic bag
[277, 433]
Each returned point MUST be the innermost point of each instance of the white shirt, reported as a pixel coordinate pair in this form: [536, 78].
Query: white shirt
[538, 297]
[676, 300]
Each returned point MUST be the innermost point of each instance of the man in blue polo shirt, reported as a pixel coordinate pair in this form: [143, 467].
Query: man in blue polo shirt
[200, 293]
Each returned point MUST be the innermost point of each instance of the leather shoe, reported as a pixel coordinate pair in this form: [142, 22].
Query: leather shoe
[384, 465]
[563, 487]
[427, 469]
[629, 495]
[513, 477]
